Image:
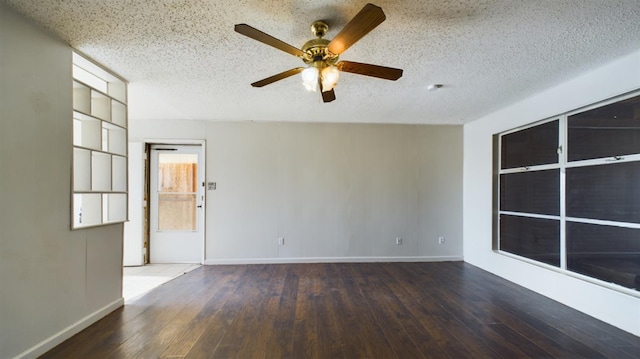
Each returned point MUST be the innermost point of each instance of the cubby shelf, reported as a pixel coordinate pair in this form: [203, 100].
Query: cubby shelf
[99, 146]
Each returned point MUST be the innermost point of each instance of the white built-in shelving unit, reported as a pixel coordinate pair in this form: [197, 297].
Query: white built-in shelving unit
[99, 145]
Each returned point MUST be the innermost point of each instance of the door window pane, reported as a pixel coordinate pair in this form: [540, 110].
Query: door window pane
[177, 172]
[177, 212]
[531, 192]
[533, 146]
[177, 192]
[607, 131]
[608, 192]
[533, 238]
[608, 253]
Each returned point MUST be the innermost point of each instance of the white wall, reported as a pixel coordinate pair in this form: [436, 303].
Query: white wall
[53, 281]
[608, 81]
[335, 192]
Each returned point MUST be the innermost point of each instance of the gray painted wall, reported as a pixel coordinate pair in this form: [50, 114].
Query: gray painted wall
[53, 281]
[333, 191]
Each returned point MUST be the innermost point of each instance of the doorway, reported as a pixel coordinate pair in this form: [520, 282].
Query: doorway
[176, 203]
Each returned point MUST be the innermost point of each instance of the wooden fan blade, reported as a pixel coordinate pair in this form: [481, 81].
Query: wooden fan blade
[366, 20]
[278, 77]
[258, 35]
[381, 72]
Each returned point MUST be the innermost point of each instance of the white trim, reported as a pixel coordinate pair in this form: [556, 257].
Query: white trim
[563, 140]
[604, 161]
[331, 260]
[165, 141]
[66, 333]
[603, 222]
[550, 166]
[531, 215]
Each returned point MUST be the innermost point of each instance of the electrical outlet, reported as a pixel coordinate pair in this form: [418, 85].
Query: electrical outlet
[281, 241]
[398, 241]
[440, 240]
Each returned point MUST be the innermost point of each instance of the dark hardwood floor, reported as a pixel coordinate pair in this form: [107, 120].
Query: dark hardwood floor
[376, 310]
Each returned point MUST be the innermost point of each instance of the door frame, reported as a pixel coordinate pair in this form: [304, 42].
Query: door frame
[147, 143]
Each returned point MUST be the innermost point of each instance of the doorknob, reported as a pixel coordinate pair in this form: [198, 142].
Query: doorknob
[200, 206]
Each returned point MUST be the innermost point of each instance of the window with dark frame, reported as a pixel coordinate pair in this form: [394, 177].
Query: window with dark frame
[568, 192]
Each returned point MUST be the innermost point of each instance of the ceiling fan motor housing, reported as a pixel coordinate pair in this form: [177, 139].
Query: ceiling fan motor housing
[316, 49]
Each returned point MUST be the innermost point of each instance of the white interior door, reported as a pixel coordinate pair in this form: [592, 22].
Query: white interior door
[176, 223]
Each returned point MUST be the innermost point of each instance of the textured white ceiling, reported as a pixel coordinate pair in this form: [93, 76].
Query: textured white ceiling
[184, 60]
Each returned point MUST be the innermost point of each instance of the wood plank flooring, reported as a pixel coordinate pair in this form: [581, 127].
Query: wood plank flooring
[373, 310]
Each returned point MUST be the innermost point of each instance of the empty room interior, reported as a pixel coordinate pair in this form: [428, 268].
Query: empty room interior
[414, 179]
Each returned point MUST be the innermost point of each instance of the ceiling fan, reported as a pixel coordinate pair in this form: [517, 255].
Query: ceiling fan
[321, 55]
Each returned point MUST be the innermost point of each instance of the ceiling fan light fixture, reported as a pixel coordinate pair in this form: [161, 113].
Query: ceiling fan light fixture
[310, 78]
[330, 75]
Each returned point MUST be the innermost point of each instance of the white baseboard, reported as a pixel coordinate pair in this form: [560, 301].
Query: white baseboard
[66, 333]
[330, 260]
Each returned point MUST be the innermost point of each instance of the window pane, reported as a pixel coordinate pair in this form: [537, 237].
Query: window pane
[537, 145]
[608, 192]
[531, 192]
[177, 172]
[533, 238]
[608, 253]
[177, 212]
[611, 130]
